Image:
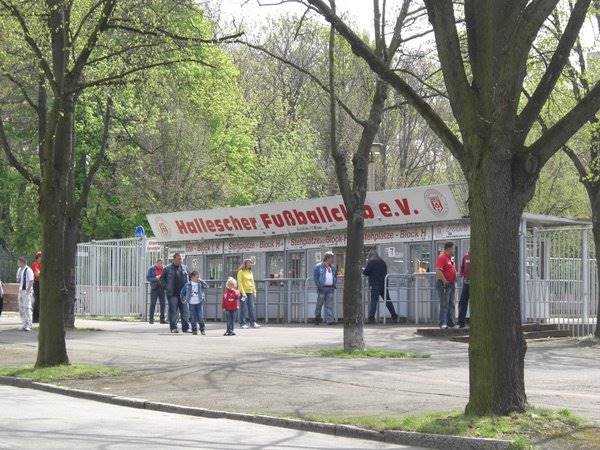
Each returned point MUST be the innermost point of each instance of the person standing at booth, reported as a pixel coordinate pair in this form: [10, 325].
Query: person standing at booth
[376, 270]
[25, 280]
[463, 304]
[446, 277]
[157, 291]
[174, 278]
[36, 267]
[247, 288]
[325, 277]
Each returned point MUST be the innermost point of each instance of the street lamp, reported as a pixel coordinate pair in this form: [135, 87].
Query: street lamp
[374, 166]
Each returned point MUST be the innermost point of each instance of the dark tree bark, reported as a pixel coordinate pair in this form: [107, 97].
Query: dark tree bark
[500, 168]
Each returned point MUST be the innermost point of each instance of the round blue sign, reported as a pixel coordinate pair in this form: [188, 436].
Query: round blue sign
[139, 232]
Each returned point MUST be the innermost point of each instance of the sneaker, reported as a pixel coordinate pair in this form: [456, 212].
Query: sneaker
[203, 333]
[195, 332]
[163, 322]
[255, 325]
[151, 321]
[27, 329]
[232, 334]
[443, 327]
[331, 323]
[227, 333]
[244, 326]
[457, 327]
[174, 331]
[187, 331]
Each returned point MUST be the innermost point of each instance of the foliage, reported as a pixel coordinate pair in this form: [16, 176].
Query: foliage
[59, 373]
[360, 354]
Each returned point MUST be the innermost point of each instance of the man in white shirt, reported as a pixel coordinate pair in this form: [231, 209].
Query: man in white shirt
[25, 280]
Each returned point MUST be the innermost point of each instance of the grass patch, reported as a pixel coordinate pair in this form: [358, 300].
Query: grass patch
[114, 318]
[520, 428]
[359, 354]
[84, 329]
[59, 373]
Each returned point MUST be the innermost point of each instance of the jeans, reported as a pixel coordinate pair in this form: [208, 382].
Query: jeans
[325, 297]
[25, 308]
[463, 305]
[175, 304]
[230, 320]
[249, 307]
[36, 302]
[157, 293]
[376, 292]
[197, 316]
[446, 295]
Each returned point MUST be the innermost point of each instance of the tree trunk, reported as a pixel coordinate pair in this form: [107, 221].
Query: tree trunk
[593, 190]
[496, 346]
[71, 238]
[52, 349]
[352, 300]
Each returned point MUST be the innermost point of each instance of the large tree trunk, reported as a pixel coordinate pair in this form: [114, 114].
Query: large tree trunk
[496, 346]
[593, 190]
[72, 230]
[52, 348]
[353, 305]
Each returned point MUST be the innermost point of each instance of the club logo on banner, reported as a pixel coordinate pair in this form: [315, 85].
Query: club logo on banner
[436, 202]
[382, 208]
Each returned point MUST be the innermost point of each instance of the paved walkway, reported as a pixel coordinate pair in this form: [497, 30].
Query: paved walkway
[254, 372]
[34, 419]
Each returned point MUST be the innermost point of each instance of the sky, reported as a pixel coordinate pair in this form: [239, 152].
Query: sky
[360, 12]
[252, 14]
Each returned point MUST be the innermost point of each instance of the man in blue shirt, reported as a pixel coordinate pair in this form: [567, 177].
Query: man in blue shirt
[325, 277]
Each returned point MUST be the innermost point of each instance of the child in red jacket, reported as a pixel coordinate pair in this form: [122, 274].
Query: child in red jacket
[230, 304]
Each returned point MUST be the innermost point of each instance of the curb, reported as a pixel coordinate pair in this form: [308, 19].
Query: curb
[391, 437]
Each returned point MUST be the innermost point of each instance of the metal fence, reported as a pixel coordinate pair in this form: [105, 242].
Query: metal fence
[561, 283]
[111, 277]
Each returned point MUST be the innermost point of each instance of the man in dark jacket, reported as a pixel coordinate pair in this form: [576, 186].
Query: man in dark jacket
[157, 291]
[376, 270]
[174, 277]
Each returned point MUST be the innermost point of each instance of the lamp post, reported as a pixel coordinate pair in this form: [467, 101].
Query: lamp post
[374, 166]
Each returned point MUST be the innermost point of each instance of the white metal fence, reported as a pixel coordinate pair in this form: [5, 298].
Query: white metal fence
[561, 283]
[111, 277]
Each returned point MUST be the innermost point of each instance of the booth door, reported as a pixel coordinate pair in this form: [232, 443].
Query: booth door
[232, 265]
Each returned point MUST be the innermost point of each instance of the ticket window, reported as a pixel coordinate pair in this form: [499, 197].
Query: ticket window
[275, 265]
[339, 259]
[232, 265]
[296, 265]
[214, 267]
[420, 258]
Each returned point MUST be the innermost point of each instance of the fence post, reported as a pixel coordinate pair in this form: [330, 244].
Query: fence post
[585, 273]
[289, 301]
[523, 268]
[266, 284]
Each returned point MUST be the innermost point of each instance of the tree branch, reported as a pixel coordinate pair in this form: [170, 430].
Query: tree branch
[122, 75]
[98, 161]
[92, 40]
[554, 70]
[441, 16]
[31, 42]
[313, 77]
[558, 135]
[22, 89]
[12, 159]
[435, 122]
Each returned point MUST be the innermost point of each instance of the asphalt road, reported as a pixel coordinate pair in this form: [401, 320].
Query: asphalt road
[35, 419]
[255, 372]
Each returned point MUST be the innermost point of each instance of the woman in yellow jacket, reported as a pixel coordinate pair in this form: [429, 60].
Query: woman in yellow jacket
[247, 289]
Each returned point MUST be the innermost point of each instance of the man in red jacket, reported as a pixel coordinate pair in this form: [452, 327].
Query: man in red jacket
[446, 277]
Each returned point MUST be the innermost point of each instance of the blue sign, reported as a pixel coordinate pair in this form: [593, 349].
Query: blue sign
[139, 232]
